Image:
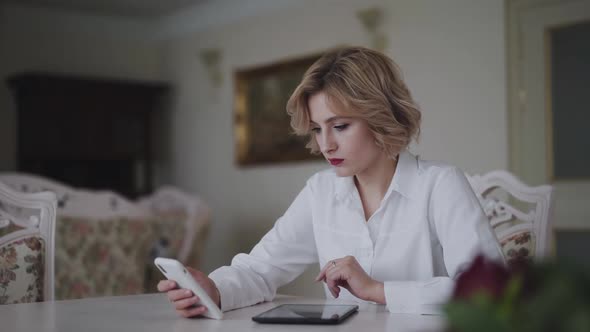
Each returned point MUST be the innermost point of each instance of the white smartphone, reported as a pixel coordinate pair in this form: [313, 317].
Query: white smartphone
[174, 270]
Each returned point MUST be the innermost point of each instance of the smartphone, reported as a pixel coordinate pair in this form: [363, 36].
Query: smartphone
[174, 270]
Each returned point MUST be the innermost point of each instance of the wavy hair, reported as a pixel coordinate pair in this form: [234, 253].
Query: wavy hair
[364, 84]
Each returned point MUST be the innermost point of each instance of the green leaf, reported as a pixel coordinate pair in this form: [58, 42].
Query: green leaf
[481, 317]
[509, 299]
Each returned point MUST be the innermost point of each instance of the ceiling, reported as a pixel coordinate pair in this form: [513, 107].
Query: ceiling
[128, 8]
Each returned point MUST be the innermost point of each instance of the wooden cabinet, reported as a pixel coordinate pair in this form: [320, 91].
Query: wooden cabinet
[87, 132]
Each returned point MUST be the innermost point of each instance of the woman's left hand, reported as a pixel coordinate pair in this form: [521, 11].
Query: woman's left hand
[346, 272]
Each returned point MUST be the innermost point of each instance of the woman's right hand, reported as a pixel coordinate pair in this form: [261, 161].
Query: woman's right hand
[184, 300]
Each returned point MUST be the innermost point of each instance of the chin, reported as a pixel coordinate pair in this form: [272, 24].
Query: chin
[343, 172]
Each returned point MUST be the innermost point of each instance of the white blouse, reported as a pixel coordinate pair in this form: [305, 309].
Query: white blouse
[428, 227]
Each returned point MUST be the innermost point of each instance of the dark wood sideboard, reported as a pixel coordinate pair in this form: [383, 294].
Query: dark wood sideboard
[87, 132]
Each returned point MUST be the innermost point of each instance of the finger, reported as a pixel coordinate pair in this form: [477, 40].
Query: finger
[334, 273]
[333, 289]
[195, 273]
[337, 291]
[186, 303]
[333, 286]
[322, 274]
[166, 285]
[333, 292]
[330, 265]
[179, 294]
[192, 312]
[193, 270]
[334, 279]
[163, 286]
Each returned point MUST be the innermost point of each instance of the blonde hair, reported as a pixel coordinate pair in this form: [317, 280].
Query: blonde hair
[365, 84]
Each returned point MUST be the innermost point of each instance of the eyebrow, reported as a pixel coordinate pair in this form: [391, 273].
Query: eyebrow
[330, 120]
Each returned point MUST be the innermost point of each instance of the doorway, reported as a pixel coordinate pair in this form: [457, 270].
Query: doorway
[549, 66]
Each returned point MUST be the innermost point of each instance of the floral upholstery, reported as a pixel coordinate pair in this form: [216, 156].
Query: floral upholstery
[21, 271]
[519, 246]
[111, 256]
[106, 257]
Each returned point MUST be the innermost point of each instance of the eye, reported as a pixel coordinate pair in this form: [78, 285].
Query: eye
[341, 127]
[315, 130]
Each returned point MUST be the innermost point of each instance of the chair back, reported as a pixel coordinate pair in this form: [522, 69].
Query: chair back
[102, 239]
[75, 202]
[106, 243]
[172, 204]
[518, 213]
[27, 242]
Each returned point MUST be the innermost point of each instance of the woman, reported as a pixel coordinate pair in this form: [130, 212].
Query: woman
[385, 226]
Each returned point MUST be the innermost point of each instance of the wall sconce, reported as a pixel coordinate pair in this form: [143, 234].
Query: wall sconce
[211, 59]
[371, 19]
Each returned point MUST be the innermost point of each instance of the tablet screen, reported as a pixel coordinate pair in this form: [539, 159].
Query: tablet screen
[306, 314]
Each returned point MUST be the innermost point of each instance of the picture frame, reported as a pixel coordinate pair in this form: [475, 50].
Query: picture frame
[262, 130]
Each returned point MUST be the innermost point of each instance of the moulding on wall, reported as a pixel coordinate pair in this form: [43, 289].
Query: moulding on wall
[211, 59]
[371, 18]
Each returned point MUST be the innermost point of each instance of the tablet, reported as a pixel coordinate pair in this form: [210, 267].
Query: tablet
[306, 314]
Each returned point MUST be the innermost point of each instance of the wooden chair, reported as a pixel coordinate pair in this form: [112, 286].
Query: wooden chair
[518, 213]
[27, 240]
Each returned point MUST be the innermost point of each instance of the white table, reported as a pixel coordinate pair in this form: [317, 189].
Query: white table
[153, 312]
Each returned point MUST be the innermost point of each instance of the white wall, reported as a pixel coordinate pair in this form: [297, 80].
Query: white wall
[34, 39]
[452, 53]
[245, 202]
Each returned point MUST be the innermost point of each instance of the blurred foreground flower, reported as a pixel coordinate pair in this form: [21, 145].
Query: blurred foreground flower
[527, 297]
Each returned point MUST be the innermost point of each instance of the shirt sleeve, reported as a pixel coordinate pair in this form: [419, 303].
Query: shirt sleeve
[280, 256]
[462, 230]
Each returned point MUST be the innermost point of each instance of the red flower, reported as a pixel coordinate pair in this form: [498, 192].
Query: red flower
[482, 276]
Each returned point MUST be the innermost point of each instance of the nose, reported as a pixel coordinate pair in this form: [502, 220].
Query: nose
[327, 142]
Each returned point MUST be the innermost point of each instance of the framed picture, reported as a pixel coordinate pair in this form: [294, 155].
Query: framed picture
[262, 129]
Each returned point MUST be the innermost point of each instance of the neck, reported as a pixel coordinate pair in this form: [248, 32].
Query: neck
[375, 181]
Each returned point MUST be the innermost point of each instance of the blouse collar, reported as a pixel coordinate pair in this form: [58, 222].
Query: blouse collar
[404, 180]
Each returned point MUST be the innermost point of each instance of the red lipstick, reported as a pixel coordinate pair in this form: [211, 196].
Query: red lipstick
[335, 162]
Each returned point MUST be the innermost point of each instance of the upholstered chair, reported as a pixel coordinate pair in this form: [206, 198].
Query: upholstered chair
[27, 239]
[519, 214]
